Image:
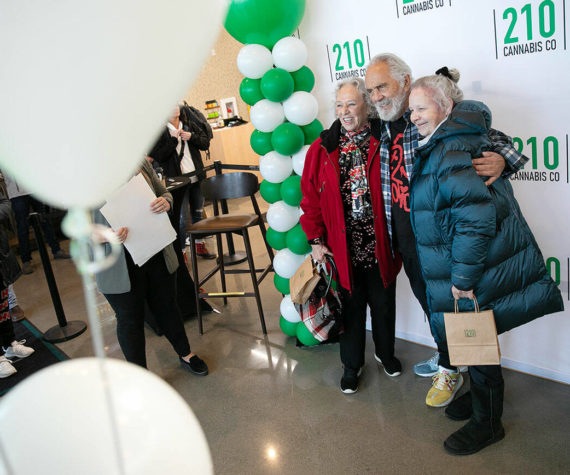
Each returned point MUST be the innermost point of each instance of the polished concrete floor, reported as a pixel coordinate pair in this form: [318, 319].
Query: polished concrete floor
[270, 407]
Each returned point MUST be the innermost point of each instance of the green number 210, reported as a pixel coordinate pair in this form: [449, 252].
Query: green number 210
[358, 48]
[546, 8]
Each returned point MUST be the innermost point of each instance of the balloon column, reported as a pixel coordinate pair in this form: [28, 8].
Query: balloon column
[277, 86]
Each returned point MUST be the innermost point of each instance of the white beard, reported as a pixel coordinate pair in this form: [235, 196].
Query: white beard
[396, 110]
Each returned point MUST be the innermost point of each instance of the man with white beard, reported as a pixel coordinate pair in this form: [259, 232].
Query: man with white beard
[388, 80]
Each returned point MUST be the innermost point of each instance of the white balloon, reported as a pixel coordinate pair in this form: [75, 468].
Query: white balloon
[289, 53]
[254, 61]
[90, 86]
[73, 415]
[266, 115]
[299, 160]
[288, 310]
[286, 263]
[301, 108]
[282, 217]
[275, 167]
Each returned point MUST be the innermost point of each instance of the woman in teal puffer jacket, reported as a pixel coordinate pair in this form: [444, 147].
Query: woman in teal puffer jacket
[472, 241]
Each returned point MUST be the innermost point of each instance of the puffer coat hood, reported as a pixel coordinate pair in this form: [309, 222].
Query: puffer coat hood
[473, 236]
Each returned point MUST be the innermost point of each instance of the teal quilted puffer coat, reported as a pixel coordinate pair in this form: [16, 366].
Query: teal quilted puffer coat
[473, 236]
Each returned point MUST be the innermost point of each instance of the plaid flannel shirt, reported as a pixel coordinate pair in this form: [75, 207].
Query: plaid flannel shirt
[501, 143]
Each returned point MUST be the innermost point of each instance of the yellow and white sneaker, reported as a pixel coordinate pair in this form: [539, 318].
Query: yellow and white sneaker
[445, 385]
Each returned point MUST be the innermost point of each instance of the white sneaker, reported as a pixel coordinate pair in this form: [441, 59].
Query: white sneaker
[6, 368]
[18, 350]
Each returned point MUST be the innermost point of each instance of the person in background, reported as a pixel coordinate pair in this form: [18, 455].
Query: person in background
[388, 80]
[472, 242]
[16, 312]
[127, 286]
[177, 152]
[22, 203]
[344, 217]
[9, 272]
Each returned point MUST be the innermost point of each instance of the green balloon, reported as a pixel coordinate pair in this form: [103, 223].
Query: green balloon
[287, 139]
[249, 90]
[305, 336]
[276, 239]
[270, 192]
[263, 21]
[304, 79]
[291, 190]
[261, 142]
[297, 241]
[277, 85]
[287, 327]
[281, 284]
[312, 131]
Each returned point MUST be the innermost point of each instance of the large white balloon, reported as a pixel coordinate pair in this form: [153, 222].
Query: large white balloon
[275, 167]
[301, 108]
[254, 61]
[288, 310]
[87, 87]
[75, 430]
[286, 263]
[289, 53]
[299, 160]
[282, 217]
[266, 115]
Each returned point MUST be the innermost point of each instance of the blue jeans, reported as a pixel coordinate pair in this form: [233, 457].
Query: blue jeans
[21, 206]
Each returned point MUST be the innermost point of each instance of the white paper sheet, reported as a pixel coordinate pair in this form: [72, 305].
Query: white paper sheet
[129, 207]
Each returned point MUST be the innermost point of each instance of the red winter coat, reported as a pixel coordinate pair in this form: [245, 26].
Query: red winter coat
[322, 204]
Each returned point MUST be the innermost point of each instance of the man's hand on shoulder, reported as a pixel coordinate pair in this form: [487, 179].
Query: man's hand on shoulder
[491, 164]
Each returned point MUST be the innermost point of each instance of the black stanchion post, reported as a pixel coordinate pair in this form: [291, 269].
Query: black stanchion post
[64, 330]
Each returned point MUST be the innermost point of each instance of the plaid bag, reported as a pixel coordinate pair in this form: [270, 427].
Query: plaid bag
[321, 313]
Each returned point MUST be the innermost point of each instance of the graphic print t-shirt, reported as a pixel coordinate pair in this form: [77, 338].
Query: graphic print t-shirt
[402, 233]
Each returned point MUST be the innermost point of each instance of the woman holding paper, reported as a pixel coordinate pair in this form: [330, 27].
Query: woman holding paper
[128, 286]
[472, 241]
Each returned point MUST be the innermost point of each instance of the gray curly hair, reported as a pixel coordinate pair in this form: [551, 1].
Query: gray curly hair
[399, 69]
[441, 87]
[360, 86]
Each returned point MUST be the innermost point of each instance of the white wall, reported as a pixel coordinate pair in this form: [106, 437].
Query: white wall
[527, 93]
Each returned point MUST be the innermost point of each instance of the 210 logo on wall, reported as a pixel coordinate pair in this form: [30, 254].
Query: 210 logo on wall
[524, 28]
[548, 159]
[410, 7]
[554, 266]
[347, 59]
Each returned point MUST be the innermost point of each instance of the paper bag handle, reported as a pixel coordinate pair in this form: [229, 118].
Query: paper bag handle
[475, 303]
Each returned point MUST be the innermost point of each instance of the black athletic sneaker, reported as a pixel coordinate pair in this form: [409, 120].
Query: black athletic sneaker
[195, 366]
[349, 381]
[392, 367]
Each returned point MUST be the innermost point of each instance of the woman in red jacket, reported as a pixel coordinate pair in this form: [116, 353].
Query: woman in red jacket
[344, 217]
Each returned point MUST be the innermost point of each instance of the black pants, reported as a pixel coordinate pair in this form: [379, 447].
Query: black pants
[488, 375]
[368, 288]
[414, 272]
[152, 283]
[6, 327]
[21, 206]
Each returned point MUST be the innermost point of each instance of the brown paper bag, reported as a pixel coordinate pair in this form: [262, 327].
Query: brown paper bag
[304, 281]
[472, 337]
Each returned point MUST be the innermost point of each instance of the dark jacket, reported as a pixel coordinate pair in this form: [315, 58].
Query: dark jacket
[164, 150]
[473, 236]
[322, 203]
[9, 267]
